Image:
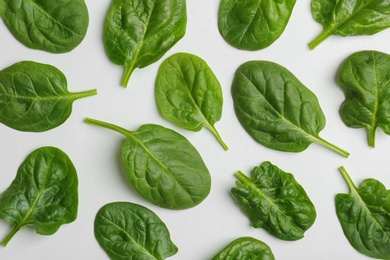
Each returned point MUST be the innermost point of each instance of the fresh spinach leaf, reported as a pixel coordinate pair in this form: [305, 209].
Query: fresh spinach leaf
[44, 193]
[189, 94]
[129, 231]
[365, 79]
[364, 216]
[245, 248]
[34, 97]
[54, 26]
[163, 166]
[348, 18]
[138, 33]
[276, 109]
[272, 199]
[253, 25]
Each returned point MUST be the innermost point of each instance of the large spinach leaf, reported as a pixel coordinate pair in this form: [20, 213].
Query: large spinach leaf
[163, 166]
[255, 24]
[34, 97]
[138, 33]
[364, 216]
[365, 79]
[276, 109]
[272, 199]
[350, 17]
[130, 231]
[54, 26]
[44, 193]
[189, 94]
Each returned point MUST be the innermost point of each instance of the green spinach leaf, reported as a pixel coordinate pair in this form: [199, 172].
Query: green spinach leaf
[163, 166]
[54, 26]
[272, 199]
[348, 18]
[364, 216]
[245, 248]
[138, 33]
[253, 25]
[189, 94]
[276, 109]
[44, 193]
[34, 97]
[130, 231]
[365, 79]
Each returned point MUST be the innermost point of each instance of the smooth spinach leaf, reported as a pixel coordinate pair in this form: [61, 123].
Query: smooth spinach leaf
[129, 231]
[253, 25]
[138, 33]
[189, 94]
[364, 216]
[365, 79]
[272, 199]
[54, 26]
[350, 17]
[44, 193]
[163, 166]
[276, 109]
[34, 97]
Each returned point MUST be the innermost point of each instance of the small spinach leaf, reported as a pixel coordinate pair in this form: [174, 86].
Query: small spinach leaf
[44, 193]
[364, 216]
[272, 199]
[189, 94]
[130, 231]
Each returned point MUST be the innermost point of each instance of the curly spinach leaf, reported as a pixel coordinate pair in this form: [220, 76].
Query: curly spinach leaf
[54, 26]
[365, 79]
[272, 199]
[364, 216]
[253, 25]
[189, 94]
[138, 33]
[34, 97]
[276, 109]
[130, 231]
[245, 248]
[44, 193]
[163, 166]
[348, 18]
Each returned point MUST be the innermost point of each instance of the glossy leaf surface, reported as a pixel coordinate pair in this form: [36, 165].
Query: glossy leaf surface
[189, 94]
[130, 231]
[272, 199]
[276, 109]
[138, 33]
[34, 97]
[255, 24]
[163, 166]
[44, 193]
[54, 26]
[364, 216]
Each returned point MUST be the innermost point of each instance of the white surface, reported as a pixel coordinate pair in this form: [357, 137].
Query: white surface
[203, 231]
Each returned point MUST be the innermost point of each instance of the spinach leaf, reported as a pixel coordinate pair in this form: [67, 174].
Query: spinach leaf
[272, 199]
[276, 109]
[189, 94]
[54, 26]
[253, 25]
[364, 216]
[348, 18]
[245, 248]
[44, 193]
[138, 33]
[365, 79]
[130, 231]
[34, 97]
[163, 166]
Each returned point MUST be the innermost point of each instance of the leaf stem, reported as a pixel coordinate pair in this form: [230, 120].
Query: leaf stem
[126, 76]
[331, 146]
[108, 126]
[242, 177]
[320, 38]
[348, 179]
[371, 137]
[86, 93]
[10, 235]
[218, 137]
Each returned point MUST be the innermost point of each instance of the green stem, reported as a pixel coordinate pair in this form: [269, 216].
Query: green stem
[108, 126]
[10, 235]
[242, 177]
[126, 76]
[218, 137]
[86, 93]
[331, 146]
[320, 38]
[348, 179]
[371, 137]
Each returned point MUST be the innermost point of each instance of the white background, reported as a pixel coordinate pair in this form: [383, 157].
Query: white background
[203, 231]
